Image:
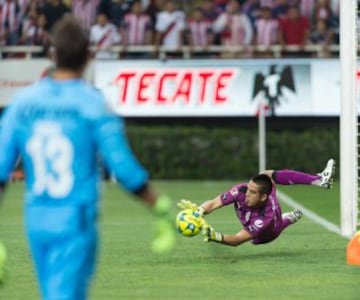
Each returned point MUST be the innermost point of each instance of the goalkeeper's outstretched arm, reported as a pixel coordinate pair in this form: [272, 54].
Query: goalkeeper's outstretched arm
[236, 239]
[211, 205]
[210, 235]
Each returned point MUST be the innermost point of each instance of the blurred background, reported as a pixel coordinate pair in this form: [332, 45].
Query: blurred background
[191, 78]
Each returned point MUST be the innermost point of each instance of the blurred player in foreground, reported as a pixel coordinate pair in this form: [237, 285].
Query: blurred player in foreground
[257, 207]
[58, 126]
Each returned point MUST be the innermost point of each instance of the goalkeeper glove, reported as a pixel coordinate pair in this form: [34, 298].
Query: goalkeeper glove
[164, 229]
[186, 204]
[210, 235]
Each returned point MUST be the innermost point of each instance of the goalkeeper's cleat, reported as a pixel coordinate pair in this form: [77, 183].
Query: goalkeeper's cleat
[327, 175]
[293, 216]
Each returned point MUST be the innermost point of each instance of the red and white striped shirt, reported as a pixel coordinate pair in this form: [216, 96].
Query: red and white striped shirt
[103, 37]
[199, 32]
[136, 27]
[266, 31]
[85, 11]
[235, 29]
[171, 25]
[9, 15]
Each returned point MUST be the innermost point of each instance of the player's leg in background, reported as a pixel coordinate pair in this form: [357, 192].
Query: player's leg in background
[71, 266]
[323, 179]
[66, 259]
[65, 266]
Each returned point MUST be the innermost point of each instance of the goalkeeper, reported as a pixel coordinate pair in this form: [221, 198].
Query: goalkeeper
[257, 207]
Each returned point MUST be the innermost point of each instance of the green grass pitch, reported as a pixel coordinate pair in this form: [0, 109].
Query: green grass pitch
[305, 262]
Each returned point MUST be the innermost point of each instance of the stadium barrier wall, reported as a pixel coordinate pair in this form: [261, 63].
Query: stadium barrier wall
[200, 88]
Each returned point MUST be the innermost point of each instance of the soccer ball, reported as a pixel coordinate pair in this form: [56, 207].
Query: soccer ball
[189, 222]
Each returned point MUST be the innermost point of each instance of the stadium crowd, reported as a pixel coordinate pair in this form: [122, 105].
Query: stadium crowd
[172, 24]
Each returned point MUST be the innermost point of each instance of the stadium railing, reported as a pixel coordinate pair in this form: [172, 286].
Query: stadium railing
[276, 51]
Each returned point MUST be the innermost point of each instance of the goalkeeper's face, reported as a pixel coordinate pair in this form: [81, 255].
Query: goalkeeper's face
[253, 196]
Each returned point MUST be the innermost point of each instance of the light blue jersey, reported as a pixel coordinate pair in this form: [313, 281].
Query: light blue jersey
[58, 128]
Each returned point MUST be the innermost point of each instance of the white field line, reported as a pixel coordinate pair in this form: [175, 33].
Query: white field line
[308, 213]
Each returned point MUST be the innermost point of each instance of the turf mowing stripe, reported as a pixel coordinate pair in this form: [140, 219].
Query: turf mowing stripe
[308, 213]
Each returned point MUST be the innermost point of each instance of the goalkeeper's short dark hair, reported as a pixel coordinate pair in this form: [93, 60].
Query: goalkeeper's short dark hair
[71, 44]
[265, 183]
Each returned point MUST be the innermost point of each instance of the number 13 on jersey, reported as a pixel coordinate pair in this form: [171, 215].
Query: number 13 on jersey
[52, 156]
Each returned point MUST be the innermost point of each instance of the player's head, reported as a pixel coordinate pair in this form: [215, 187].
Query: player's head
[259, 188]
[71, 45]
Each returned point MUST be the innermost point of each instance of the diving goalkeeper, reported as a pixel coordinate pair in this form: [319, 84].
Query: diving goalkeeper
[257, 206]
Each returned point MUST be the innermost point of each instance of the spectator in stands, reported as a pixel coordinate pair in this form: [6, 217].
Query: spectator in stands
[209, 10]
[221, 4]
[29, 20]
[307, 8]
[23, 6]
[3, 36]
[322, 35]
[199, 33]
[233, 26]
[103, 36]
[294, 28]
[267, 3]
[252, 9]
[37, 35]
[322, 10]
[10, 21]
[335, 7]
[154, 7]
[115, 10]
[170, 26]
[85, 12]
[280, 8]
[266, 28]
[53, 11]
[136, 29]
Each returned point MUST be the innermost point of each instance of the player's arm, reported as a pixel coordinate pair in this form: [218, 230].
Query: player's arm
[119, 158]
[236, 239]
[211, 235]
[9, 151]
[205, 208]
[211, 205]
[160, 204]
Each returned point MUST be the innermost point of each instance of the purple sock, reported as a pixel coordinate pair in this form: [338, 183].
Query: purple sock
[287, 177]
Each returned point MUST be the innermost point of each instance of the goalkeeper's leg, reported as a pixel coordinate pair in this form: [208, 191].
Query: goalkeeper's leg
[323, 179]
[290, 218]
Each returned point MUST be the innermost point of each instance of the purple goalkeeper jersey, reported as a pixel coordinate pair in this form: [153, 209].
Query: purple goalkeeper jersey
[264, 223]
